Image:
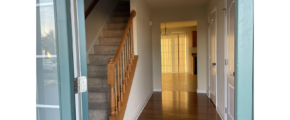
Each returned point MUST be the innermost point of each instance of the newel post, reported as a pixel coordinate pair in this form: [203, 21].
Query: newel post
[111, 82]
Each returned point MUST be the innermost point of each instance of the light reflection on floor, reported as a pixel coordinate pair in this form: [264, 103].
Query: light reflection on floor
[186, 82]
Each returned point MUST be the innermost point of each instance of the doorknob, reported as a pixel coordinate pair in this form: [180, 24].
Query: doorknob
[213, 63]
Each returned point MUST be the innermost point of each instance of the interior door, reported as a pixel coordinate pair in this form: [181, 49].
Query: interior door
[230, 59]
[212, 41]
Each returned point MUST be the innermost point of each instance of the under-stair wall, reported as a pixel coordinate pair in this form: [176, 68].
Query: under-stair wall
[96, 21]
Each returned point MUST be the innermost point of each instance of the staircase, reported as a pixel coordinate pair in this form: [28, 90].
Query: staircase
[98, 87]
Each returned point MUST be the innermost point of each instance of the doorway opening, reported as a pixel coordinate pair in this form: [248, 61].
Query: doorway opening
[179, 56]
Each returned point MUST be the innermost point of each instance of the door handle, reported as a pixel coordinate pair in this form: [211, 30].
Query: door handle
[213, 63]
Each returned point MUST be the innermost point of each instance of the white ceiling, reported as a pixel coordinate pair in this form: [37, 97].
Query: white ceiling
[178, 24]
[161, 4]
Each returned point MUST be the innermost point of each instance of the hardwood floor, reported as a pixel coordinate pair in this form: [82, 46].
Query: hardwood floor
[186, 82]
[178, 101]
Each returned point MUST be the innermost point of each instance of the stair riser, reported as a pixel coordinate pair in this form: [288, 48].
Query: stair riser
[99, 114]
[97, 71]
[113, 33]
[105, 49]
[109, 41]
[116, 26]
[118, 20]
[98, 84]
[93, 105]
[124, 8]
[100, 59]
[120, 14]
[99, 97]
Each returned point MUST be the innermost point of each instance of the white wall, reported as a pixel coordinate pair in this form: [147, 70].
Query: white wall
[142, 86]
[96, 20]
[219, 4]
[194, 13]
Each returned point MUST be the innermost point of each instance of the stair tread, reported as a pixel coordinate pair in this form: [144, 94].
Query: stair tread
[113, 30]
[99, 90]
[106, 45]
[101, 54]
[92, 64]
[111, 37]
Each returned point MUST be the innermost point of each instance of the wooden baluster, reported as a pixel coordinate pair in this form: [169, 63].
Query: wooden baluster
[126, 54]
[128, 60]
[119, 93]
[121, 77]
[111, 82]
[132, 39]
[116, 98]
[132, 45]
[129, 54]
[130, 49]
[124, 73]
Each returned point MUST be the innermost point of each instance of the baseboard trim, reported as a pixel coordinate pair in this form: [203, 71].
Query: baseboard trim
[201, 91]
[221, 116]
[157, 90]
[140, 111]
[207, 93]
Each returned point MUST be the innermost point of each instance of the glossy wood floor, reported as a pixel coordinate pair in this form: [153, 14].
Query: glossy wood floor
[179, 103]
[186, 82]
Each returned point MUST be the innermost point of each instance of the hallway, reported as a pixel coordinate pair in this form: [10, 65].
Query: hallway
[186, 82]
[179, 100]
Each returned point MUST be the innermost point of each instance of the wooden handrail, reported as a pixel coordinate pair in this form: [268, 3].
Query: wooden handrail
[119, 71]
[91, 8]
[120, 47]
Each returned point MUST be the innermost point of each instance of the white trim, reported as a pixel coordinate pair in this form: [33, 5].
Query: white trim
[46, 56]
[44, 4]
[207, 93]
[46, 106]
[157, 90]
[201, 91]
[142, 108]
[209, 53]
[222, 117]
[225, 57]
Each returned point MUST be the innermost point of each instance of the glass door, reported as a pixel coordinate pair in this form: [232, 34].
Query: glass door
[173, 53]
[47, 88]
[61, 57]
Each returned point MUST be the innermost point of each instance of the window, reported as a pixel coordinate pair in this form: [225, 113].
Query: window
[173, 53]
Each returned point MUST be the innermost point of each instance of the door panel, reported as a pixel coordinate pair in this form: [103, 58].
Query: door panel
[231, 59]
[54, 88]
[212, 36]
[47, 89]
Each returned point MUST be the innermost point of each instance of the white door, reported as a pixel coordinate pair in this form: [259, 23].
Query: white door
[212, 50]
[230, 59]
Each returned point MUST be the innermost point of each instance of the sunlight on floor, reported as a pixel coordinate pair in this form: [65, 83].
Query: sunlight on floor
[186, 82]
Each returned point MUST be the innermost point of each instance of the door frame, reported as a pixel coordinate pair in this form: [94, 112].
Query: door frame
[225, 58]
[64, 58]
[77, 18]
[209, 52]
[244, 55]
